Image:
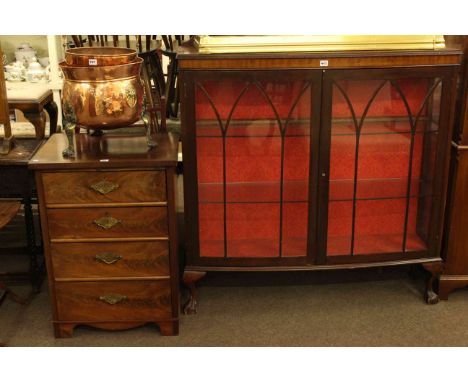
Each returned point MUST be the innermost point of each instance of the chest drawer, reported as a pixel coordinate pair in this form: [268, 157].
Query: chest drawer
[82, 223]
[113, 301]
[125, 259]
[82, 187]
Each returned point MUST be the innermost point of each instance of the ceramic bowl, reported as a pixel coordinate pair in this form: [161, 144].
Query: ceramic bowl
[44, 61]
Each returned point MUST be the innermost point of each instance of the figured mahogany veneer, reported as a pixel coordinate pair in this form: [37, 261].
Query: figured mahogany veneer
[141, 300]
[313, 159]
[109, 260]
[104, 187]
[74, 223]
[109, 228]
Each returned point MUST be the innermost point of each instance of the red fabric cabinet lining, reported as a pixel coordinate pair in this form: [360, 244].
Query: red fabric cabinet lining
[252, 105]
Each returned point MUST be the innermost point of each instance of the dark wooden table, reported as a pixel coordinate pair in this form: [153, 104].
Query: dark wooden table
[17, 182]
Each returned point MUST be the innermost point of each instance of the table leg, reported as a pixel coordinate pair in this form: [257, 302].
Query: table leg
[39, 121]
[34, 269]
[52, 110]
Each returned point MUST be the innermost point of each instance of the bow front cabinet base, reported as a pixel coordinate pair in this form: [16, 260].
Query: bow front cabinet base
[109, 229]
[315, 161]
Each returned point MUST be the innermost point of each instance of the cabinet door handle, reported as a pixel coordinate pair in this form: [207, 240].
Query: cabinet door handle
[106, 222]
[108, 258]
[104, 187]
[113, 299]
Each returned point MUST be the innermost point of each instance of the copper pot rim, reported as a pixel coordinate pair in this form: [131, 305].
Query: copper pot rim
[63, 64]
[82, 52]
[105, 80]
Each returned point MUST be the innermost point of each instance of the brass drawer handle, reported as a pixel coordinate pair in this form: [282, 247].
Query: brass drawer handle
[104, 187]
[106, 222]
[108, 258]
[113, 299]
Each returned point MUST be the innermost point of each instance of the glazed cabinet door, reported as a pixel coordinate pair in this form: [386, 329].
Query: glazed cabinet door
[250, 149]
[384, 142]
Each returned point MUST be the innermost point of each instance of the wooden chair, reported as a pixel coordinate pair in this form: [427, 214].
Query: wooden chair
[172, 87]
[8, 210]
[137, 42]
[151, 73]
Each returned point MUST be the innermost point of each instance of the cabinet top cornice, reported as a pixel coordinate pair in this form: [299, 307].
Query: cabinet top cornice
[352, 52]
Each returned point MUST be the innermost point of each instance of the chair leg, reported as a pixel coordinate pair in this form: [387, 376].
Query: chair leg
[13, 296]
[175, 109]
[163, 114]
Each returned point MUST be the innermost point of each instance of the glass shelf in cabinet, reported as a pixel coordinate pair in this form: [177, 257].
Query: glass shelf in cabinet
[254, 192]
[254, 128]
[375, 189]
[345, 128]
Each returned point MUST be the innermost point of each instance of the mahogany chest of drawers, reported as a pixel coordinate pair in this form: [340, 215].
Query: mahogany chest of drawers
[109, 228]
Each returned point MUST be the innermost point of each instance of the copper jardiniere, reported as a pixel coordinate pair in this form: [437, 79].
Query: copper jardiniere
[105, 97]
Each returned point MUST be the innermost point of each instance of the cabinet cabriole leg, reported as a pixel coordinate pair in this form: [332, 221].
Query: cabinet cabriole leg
[189, 279]
[435, 270]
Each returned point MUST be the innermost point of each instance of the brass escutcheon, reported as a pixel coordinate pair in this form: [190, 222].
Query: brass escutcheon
[106, 222]
[104, 186]
[108, 258]
[113, 299]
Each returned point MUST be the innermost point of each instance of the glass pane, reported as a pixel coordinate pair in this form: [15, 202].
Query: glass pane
[253, 149]
[253, 230]
[296, 178]
[382, 146]
[342, 159]
[426, 149]
[253, 173]
[296, 168]
[209, 147]
[339, 228]
[295, 224]
[211, 230]
[379, 226]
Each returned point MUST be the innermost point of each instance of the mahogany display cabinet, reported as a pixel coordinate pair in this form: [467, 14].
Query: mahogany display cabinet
[315, 161]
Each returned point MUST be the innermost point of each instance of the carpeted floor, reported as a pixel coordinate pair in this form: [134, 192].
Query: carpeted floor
[368, 308]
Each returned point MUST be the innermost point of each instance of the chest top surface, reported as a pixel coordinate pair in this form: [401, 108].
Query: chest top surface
[107, 151]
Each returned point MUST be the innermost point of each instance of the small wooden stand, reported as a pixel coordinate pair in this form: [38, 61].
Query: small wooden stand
[8, 140]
